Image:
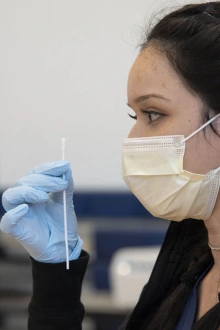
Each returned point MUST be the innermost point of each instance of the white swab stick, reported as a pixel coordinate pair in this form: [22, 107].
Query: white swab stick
[64, 208]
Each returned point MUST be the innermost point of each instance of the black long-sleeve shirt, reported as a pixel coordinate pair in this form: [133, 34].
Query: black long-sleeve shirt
[55, 302]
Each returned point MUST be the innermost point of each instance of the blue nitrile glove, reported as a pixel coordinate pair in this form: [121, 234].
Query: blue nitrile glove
[35, 213]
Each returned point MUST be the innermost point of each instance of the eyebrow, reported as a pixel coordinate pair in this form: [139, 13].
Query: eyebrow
[147, 96]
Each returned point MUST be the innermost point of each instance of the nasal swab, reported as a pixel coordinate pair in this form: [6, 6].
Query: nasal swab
[64, 208]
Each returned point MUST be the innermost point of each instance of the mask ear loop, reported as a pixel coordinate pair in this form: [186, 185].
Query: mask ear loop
[198, 130]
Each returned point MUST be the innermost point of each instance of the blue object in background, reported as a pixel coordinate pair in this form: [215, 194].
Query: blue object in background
[100, 274]
[108, 204]
[104, 204]
[107, 242]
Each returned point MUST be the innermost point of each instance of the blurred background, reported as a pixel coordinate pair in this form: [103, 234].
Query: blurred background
[63, 73]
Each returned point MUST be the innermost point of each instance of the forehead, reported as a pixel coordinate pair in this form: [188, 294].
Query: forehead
[152, 73]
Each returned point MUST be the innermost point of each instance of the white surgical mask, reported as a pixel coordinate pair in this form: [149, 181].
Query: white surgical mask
[152, 168]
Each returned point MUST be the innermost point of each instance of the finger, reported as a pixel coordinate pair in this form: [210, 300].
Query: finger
[57, 168]
[69, 178]
[43, 182]
[9, 221]
[21, 195]
[58, 198]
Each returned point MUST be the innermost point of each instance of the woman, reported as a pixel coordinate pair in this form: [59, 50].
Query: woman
[170, 162]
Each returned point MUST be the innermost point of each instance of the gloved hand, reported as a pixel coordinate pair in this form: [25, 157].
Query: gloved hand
[35, 213]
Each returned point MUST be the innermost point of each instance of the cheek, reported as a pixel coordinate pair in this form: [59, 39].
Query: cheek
[200, 157]
[192, 162]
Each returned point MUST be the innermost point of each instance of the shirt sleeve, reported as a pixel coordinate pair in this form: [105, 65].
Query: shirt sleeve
[55, 302]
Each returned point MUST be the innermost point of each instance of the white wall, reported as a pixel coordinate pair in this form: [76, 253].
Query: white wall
[63, 72]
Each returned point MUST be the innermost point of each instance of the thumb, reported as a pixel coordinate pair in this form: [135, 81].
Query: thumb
[9, 221]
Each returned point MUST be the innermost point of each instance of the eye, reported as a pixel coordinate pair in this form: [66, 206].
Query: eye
[152, 115]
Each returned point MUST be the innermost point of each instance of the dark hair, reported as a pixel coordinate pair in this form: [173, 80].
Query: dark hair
[190, 39]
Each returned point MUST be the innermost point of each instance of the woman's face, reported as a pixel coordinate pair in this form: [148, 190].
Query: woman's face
[176, 111]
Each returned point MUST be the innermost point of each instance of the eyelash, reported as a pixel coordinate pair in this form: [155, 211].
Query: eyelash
[148, 113]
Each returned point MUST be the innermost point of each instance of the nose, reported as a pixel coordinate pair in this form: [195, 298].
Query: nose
[132, 133]
[136, 131]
